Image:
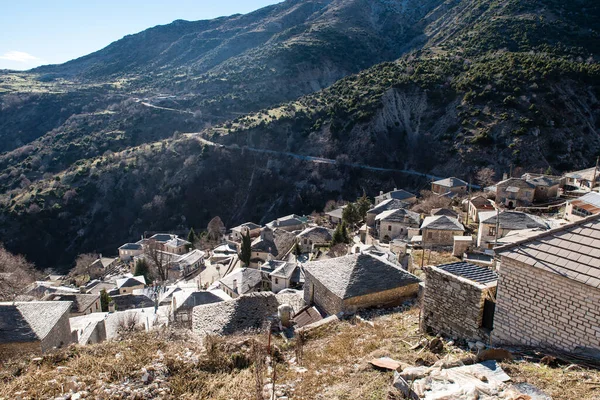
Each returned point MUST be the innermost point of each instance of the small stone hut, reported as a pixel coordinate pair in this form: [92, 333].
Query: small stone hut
[458, 300]
[357, 281]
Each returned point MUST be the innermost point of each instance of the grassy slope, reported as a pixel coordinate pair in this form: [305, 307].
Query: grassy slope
[336, 358]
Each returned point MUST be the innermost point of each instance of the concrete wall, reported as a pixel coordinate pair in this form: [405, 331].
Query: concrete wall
[59, 335]
[439, 238]
[453, 306]
[542, 309]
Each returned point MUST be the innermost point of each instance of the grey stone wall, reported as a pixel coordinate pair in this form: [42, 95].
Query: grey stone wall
[542, 309]
[60, 335]
[453, 306]
[317, 293]
[388, 298]
[439, 238]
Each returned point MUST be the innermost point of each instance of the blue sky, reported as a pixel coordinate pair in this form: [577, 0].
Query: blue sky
[37, 32]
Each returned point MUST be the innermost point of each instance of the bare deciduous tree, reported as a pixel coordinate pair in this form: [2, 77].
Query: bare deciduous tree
[159, 260]
[16, 273]
[486, 177]
[82, 272]
[216, 229]
[430, 201]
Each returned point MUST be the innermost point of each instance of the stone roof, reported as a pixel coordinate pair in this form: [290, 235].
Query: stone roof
[444, 211]
[177, 242]
[130, 301]
[400, 194]
[337, 213]
[514, 220]
[249, 225]
[30, 321]
[225, 248]
[571, 251]
[288, 220]
[481, 202]
[187, 299]
[451, 182]
[163, 237]
[271, 265]
[400, 215]
[389, 204]
[131, 246]
[542, 180]
[80, 302]
[471, 272]
[442, 223]
[516, 183]
[190, 258]
[584, 174]
[317, 233]
[358, 275]
[286, 270]
[131, 282]
[241, 314]
[248, 279]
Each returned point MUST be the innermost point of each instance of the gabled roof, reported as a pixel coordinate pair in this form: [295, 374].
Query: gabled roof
[176, 242]
[30, 321]
[317, 233]
[131, 246]
[399, 215]
[571, 251]
[271, 265]
[389, 204]
[337, 213]
[400, 194]
[471, 272]
[442, 223]
[286, 270]
[592, 198]
[189, 258]
[515, 184]
[248, 279]
[545, 181]
[481, 202]
[131, 301]
[80, 301]
[358, 275]
[444, 211]
[185, 299]
[288, 220]
[249, 225]
[451, 182]
[584, 174]
[163, 237]
[131, 282]
[514, 220]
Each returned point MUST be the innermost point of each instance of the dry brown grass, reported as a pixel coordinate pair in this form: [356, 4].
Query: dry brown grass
[335, 357]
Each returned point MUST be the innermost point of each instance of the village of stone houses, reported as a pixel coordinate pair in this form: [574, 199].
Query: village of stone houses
[456, 292]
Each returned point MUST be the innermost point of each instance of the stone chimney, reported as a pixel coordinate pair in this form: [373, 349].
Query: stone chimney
[82, 289]
[267, 234]
[111, 307]
[235, 286]
[284, 312]
[504, 176]
[381, 192]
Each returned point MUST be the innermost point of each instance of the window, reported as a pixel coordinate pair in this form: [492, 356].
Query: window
[430, 235]
[492, 231]
[389, 228]
[277, 281]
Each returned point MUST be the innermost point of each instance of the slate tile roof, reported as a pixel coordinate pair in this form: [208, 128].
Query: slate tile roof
[400, 194]
[131, 246]
[571, 251]
[317, 234]
[185, 300]
[131, 301]
[442, 223]
[248, 279]
[471, 272]
[358, 275]
[286, 270]
[389, 204]
[30, 321]
[451, 182]
[249, 225]
[400, 215]
[514, 220]
[517, 183]
[131, 282]
[81, 302]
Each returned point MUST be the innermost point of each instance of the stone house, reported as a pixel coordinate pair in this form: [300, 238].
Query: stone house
[81, 303]
[449, 185]
[583, 207]
[184, 301]
[130, 250]
[33, 327]
[168, 243]
[515, 192]
[286, 276]
[243, 281]
[549, 290]
[239, 231]
[128, 285]
[289, 223]
[546, 187]
[440, 230]
[335, 216]
[316, 236]
[393, 224]
[272, 244]
[583, 179]
[476, 205]
[459, 301]
[504, 222]
[386, 205]
[356, 281]
[185, 264]
[396, 194]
